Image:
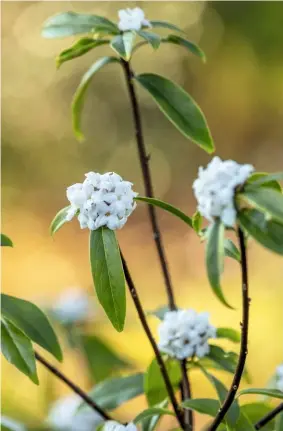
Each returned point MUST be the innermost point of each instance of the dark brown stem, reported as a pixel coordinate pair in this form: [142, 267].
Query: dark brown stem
[267, 418]
[244, 337]
[147, 179]
[186, 394]
[73, 386]
[158, 356]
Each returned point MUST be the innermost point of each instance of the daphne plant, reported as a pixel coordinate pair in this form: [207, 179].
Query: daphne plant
[233, 198]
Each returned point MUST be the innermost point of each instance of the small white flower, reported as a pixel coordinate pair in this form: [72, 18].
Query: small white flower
[72, 305]
[65, 416]
[132, 19]
[184, 333]
[215, 189]
[279, 377]
[101, 200]
[115, 426]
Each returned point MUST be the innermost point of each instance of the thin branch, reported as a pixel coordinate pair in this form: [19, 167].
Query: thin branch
[244, 338]
[158, 356]
[73, 386]
[267, 418]
[186, 393]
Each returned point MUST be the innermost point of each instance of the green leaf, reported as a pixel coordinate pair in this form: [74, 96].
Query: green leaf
[108, 275]
[8, 424]
[166, 207]
[206, 406]
[197, 222]
[70, 23]
[150, 423]
[59, 220]
[6, 241]
[229, 333]
[179, 107]
[33, 322]
[148, 413]
[215, 258]
[266, 200]
[165, 24]
[17, 349]
[111, 393]
[267, 232]
[192, 47]
[255, 412]
[123, 44]
[154, 386]
[279, 422]
[262, 179]
[152, 38]
[102, 360]
[78, 99]
[80, 48]
[230, 250]
[159, 312]
[244, 423]
[273, 393]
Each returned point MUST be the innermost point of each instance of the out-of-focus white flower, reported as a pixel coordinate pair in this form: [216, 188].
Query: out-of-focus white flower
[72, 305]
[184, 333]
[279, 377]
[65, 416]
[132, 19]
[101, 200]
[215, 189]
[115, 426]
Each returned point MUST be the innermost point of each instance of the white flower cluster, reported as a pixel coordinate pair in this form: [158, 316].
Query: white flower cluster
[279, 377]
[101, 200]
[184, 333]
[115, 426]
[132, 19]
[215, 189]
[72, 306]
[65, 416]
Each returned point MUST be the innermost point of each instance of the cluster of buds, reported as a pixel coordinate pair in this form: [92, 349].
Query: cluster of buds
[132, 19]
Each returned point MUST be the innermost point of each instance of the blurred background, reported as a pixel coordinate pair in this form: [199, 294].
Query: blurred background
[240, 90]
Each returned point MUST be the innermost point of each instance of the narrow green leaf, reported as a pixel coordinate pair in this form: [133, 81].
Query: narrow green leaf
[17, 349]
[111, 393]
[167, 207]
[154, 386]
[152, 38]
[262, 179]
[192, 47]
[150, 423]
[215, 258]
[78, 99]
[266, 200]
[255, 412]
[267, 232]
[123, 44]
[273, 393]
[206, 406]
[165, 24]
[279, 422]
[80, 48]
[197, 222]
[32, 321]
[229, 333]
[6, 241]
[59, 220]
[152, 412]
[108, 275]
[179, 107]
[159, 312]
[70, 23]
[244, 423]
[230, 250]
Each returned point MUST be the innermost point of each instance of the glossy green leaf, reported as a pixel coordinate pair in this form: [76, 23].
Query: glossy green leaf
[102, 360]
[150, 423]
[17, 349]
[215, 258]
[262, 179]
[152, 38]
[267, 232]
[59, 220]
[80, 48]
[114, 392]
[159, 312]
[108, 275]
[78, 99]
[123, 44]
[229, 333]
[206, 406]
[244, 423]
[279, 422]
[197, 222]
[70, 23]
[273, 393]
[190, 46]
[167, 207]
[255, 412]
[6, 241]
[33, 322]
[152, 411]
[230, 250]
[154, 386]
[8, 424]
[179, 107]
[266, 200]
[165, 24]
